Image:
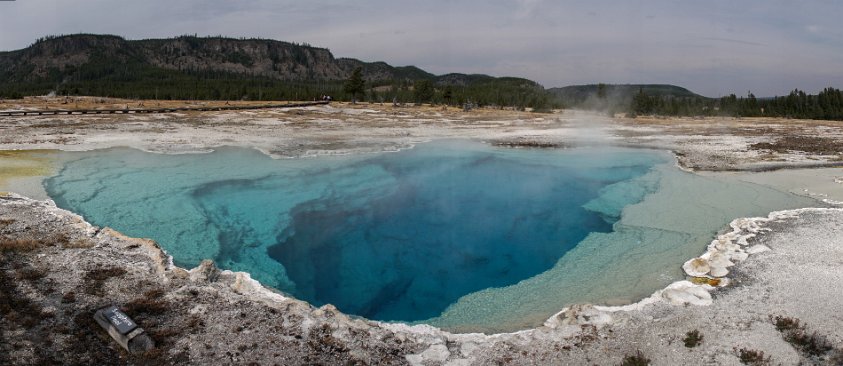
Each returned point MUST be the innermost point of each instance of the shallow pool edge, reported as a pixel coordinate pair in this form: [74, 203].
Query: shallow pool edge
[568, 319]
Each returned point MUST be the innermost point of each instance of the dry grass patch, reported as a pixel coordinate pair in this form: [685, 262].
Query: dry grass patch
[84, 243]
[19, 244]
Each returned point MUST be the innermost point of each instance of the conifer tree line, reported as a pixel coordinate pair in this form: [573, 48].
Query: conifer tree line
[137, 80]
[131, 76]
[827, 104]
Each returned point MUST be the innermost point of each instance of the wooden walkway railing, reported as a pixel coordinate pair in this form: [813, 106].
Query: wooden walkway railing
[53, 112]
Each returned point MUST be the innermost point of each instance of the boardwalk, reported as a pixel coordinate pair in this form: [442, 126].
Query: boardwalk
[53, 112]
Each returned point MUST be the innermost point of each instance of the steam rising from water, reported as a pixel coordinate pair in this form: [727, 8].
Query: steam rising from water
[588, 128]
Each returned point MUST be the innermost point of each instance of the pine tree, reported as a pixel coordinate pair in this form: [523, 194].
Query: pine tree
[355, 84]
[423, 91]
[448, 94]
[601, 91]
[641, 103]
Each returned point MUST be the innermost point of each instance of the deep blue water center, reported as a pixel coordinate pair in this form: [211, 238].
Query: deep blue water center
[393, 236]
[448, 227]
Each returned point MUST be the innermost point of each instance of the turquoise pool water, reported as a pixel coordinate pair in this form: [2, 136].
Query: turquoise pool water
[456, 234]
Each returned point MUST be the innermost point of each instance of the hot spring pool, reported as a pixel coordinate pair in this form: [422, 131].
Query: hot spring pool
[455, 234]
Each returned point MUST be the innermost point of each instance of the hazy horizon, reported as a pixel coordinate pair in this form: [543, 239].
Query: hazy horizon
[713, 48]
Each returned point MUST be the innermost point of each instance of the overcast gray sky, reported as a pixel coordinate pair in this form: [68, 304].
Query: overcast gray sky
[711, 47]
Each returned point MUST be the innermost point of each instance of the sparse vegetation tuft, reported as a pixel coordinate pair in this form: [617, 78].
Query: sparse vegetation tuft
[95, 278]
[58, 239]
[151, 303]
[68, 298]
[810, 344]
[635, 360]
[752, 357]
[29, 243]
[784, 323]
[18, 244]
[79, 244]
[693, 338]
[154, 293]
[30, 274]
[16, 309]
[813, 344]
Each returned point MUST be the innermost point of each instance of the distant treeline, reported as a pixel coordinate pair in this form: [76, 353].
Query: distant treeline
[509, 92]
[168, 86]
[144, 82]
[828, 104]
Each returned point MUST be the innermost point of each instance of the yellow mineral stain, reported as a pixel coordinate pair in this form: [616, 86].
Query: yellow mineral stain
[705, 281]
[25, 163]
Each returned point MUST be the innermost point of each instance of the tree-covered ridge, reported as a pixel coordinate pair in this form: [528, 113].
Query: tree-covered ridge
[613, 97]
[578, 94]
[827, 104]
[671, 100]
[191, 67]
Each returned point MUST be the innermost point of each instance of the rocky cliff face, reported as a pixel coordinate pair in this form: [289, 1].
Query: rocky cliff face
[61, 57]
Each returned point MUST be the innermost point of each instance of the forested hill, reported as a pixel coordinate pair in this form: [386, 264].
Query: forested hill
[671, 100]
[603, 96]
[190, 67]
[83, 56]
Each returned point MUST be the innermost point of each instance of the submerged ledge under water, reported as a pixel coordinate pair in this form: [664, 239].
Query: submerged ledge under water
[678, 212]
